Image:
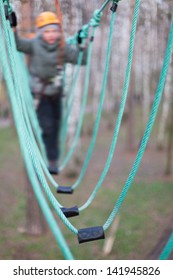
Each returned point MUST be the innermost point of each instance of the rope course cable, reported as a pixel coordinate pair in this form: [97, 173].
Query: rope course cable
[94, 23]
[148, 130]
[17, 117]
[102, 95]
[122, 106]
[23, 130]
[167, 250]
[32, 155]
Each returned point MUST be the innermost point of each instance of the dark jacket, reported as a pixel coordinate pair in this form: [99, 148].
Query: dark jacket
[43, 62]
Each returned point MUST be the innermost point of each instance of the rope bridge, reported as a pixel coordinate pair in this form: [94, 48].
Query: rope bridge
[29, 135]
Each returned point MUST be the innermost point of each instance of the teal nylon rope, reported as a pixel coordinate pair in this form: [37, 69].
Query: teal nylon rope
[167, 250]
[104, 5]
[69, 104]
[122, 106]
[102, 95]
[42, 202]
[18, 120]
[72, 90]
[94, 23]
[25, 106]
[147, 132]
[29, 105]
[46, 187]
[73, 39]
[64, 125]
[35, 161]
[82, 110]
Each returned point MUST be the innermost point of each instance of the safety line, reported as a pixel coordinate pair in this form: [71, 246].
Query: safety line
[17, 116]
[168, 249]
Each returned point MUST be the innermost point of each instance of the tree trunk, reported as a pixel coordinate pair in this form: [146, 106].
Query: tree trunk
[35, 223]
[165, 109]
[130, 122]
[169, 142]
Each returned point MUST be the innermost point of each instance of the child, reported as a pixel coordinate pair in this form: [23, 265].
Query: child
[47, 56]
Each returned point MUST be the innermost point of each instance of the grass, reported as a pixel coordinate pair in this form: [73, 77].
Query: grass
[145, 213]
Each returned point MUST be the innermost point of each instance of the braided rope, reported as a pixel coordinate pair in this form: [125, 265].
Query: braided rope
[147, 132]
[122, 106]
[13, 89]
[167, 250]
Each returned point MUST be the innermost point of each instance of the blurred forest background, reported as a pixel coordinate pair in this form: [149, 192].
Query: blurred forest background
[150, 44]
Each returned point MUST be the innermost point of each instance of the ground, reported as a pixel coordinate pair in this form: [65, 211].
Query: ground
[145, 216]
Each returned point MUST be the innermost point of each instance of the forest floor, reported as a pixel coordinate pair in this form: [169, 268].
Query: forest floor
[145, 218]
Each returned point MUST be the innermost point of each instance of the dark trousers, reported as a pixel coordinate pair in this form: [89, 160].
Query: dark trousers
[49, 114]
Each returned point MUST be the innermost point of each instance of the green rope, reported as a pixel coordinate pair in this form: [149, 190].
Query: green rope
[102, 95]
[94, 23]
[28, 118]
[96, 18]
[34, 158]
[29, 106]
[83, 105]
[104, 6]
[19, 126]
[46, 187]
[122, 106]
[70, 103]
[64, 125]
[147, 132]
[167, 250]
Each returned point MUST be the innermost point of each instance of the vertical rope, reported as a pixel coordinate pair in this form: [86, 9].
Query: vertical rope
[23, 131]
[147, 132]
[122, 106]
[167, 250]
[12, 90]
[102, 95]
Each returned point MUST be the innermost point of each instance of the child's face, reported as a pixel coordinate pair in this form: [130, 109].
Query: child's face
[50, 35]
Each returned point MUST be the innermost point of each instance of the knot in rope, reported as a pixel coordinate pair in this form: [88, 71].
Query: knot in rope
[6, 2]
[116, 1]
[95, 21]
[84, 31]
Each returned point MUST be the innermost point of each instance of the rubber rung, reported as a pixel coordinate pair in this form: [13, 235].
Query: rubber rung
[90, 234]
[65, 190]
[70, 212]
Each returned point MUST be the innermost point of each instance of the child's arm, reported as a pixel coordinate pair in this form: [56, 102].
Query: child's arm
[22, 44]
[72, 53]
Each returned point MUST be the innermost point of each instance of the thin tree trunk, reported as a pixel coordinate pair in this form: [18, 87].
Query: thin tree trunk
[130, 122]
[169, 142]
[165, 110]
[35, 223]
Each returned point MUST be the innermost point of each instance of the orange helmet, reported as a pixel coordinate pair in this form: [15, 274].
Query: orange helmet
[46, 18]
